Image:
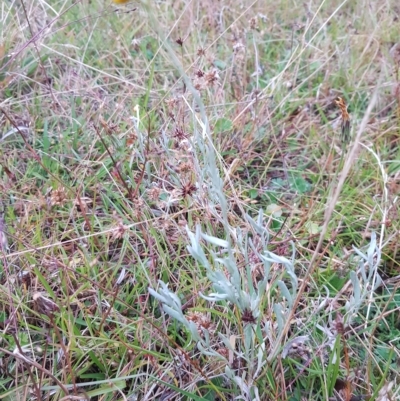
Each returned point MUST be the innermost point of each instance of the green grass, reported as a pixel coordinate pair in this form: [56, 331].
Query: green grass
[126, 129]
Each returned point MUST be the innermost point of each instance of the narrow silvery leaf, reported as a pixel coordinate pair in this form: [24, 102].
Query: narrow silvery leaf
[293, 279]
[279, 318]
[226, 342]
[230, 265]
[372, 247]
[222, 199]
[193, 330]
[198, 255]
[213, 297]
[261, 286]
[170, 297]
[195, 249]
[378, 282]
[257, 226]
[322, 305]
[121, 276]
[260, 359]
[254, 304]
[229, 373]
[267, 329]
[250, 286]
[279, 259]
[222, 289]
[267, 265]
[242, 385]
[356, 286]
[260, 218]
[285, 292]
[176, 315]
[360, 254]
[256, 392]
[215, 240]
[206, 337]
[378, 257]
[248, 338]
[191, 236]
[239, 236]
[176, 301]
[234, 271]
[157, 295]
[217, 276]
[208, 353]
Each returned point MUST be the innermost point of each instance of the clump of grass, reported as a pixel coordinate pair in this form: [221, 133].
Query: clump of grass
[194, 151]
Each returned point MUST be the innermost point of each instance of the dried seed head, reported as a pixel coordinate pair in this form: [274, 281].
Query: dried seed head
[154, 193]
[45, 305]
[212, 77]
[339, 324]
[239, 48]
[247, 317]
[119, 231]
[185, 167]
[199, 73]
[188, 189]
[200, 320]
[58, 196]
[171, 103]
[296, 346]
[198, 86]
[201, 52]
[254, 24]
[224, 352]
[180, 134]
[139, 208]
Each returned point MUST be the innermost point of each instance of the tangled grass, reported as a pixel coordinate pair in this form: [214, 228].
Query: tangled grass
[179, 218]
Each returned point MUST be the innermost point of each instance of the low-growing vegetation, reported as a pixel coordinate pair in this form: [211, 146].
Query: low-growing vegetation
[199, 200]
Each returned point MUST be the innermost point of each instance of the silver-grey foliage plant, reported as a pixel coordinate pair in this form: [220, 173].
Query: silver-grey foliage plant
[234, 288]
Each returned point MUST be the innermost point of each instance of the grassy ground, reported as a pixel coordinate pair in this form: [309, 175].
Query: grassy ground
[179, 218]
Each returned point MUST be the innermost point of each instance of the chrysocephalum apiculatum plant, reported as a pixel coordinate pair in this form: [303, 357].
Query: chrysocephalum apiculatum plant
[233, 287]
[236, 289]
